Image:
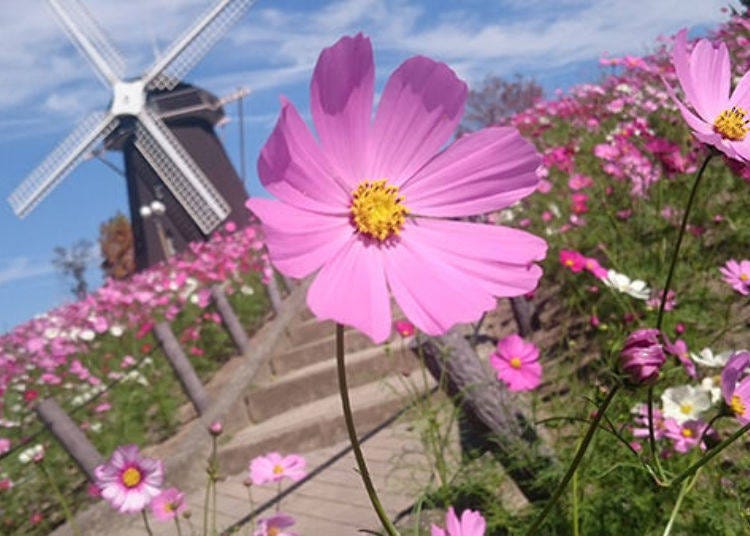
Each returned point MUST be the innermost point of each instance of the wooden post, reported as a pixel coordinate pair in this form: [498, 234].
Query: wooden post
[524, 314]
[182, 368]
[70, 436]
[501, 422]
[231, 322]
[273, 293]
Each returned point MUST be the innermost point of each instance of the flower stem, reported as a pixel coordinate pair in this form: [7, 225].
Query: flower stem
[680, 235]
[69, 517]
[576, 461]
[177, 523]
[710, 454]
[686, 487]
[145, 522]
[652, 435]
[346, 406]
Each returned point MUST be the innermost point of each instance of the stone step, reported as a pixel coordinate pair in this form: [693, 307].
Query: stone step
[310, 330]
[303, 355]
[318, 380]
[320, 423]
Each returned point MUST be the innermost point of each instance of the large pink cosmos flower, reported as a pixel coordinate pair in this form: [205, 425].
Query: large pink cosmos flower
[517, 363]
[274, 467]
[363, 203]
[471, 524]
[127, 481]
[717, 117]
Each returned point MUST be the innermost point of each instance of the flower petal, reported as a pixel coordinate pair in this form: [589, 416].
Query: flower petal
[497, 258]
[710, 70]
[351, 290]
[292, 159]
[480, 172]
[299, 241]
[432, 293]
[421, 106]
[341, 104]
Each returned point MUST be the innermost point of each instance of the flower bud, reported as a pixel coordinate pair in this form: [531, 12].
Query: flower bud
[216, 428]
[642, 356]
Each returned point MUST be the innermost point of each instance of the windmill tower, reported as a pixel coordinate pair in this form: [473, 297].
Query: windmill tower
[181, 184]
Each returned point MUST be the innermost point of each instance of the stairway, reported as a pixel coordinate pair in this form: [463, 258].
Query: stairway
[294, 405]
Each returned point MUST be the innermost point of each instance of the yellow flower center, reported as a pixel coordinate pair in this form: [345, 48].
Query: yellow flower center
[732, 124]
[687, 432]
[378, 209]
[743, 277]
[515, 362]
[568, 262]
[686, 408]
[277, 469]
[272, 531]
[737, 405]
[131, 477]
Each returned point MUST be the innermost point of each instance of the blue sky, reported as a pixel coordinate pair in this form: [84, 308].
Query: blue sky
[47, 86]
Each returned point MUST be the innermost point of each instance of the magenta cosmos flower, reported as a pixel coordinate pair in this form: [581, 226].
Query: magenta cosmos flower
[737, 274]
[127, 481]
[517, 363]
[362, 204]
[274, 467]
[471, 524]
[717, 117]
[168, 504]
[643, 356]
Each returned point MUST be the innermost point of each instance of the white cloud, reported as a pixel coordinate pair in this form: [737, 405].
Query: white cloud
[23, 268]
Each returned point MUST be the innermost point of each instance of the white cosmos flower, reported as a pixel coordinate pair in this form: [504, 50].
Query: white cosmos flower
[707, 358]
[635, 288]
[684, 403]
[51, 333]
[30, 453]
[247, 290]
[87, 335]
[712, 386]
[116, 330]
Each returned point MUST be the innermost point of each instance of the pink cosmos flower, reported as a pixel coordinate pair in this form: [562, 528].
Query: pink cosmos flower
[737, 274]
[517, 363]
[592, 265]
[679, 349]
[368, 205]
[716, 117]
[471, 524]
[274, 467]
[736, 392]
[128, 481]
[684, 436]
[640, 414]
[168, 504]
[272, 526]
[572, 259]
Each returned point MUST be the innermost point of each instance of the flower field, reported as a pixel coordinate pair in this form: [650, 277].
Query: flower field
[638, 364]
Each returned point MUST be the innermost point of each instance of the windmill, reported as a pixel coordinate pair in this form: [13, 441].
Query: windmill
[181, 184]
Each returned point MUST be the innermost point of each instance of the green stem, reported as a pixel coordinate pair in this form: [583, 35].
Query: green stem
[145, 522]
[533, 531]
[681, 234]
[710, 454]
[177, 523]
[214, 474]
[576, 529]
[663, 301]
[686, 487]
[69, 517]
[346, 406]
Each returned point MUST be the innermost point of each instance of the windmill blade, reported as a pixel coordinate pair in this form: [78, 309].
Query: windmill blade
[61, 161]
[190, 48]
[180, 173]
[90, 40]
